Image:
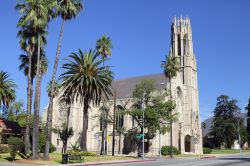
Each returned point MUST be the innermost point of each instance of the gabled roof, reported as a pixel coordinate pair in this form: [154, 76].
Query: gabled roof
[125, 87]
[9, 127]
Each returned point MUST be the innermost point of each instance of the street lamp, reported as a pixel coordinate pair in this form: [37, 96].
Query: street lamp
[159, 144]
[239, 138]
[114, 119]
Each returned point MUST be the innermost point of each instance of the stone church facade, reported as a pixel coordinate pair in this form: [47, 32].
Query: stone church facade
[187, 136]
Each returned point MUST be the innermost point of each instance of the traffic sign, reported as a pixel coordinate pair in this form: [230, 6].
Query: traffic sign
[139, 135]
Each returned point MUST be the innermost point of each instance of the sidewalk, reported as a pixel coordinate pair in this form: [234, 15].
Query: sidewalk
[110, 162]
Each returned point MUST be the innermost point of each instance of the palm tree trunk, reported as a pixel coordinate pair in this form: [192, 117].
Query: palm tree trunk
[67, 126]
[29, 107]
[68, 113]
[85, 125]
[47, 133]
[106, 135]
[35, 148]
[49, 114]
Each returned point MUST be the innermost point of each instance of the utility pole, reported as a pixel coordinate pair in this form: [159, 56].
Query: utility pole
[159, 144]
[143, 140]
[239, 134]
[114, 119]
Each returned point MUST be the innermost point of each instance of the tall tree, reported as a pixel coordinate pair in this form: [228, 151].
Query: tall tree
[36, 14]
[27, 44]
[7, 89]
[248, 119]
[105, 120]
[86, 81]
[15, 112]
[157, 111]
[24, 66]
[65, 133]
[67, 9]
[103, 48]
[29, 67]
[56, 91]
[171, 68]
[225, 123]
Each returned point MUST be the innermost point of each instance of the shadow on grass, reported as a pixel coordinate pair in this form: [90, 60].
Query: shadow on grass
[10, 159]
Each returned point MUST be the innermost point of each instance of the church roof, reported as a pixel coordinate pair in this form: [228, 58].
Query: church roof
[9, 127]
[125, 87]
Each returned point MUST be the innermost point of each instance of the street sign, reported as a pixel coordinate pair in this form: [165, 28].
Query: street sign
[139, 136]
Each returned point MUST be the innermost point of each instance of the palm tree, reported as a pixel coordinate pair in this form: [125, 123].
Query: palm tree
[17, 107]
[104, 124]
[56, 92]
[24, 66]
[28, 43]
[86, 81]
[67, 9]
[7, 90]
[65, 133]
[57, 88]
[103, 48]
[35, 14]
[171, 67]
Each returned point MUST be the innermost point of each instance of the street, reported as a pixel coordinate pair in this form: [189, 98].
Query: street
[230, 160]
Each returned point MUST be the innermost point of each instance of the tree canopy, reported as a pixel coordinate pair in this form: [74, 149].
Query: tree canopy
[157, 109]
[225, 123]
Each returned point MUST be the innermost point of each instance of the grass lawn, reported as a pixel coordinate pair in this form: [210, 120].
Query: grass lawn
[187, 155]
[227, 151]
[55, 158]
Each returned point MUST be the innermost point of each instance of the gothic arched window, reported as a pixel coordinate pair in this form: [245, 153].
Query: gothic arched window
[119, 117]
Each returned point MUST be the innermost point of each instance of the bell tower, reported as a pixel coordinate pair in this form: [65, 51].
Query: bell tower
[182, 49]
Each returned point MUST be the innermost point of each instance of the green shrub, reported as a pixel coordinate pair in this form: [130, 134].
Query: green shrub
[165, 150]
[72, 152]
[15, 145]
[75, 147]
[88, 154]
[52, 148]
[4, 149]
[207, 150]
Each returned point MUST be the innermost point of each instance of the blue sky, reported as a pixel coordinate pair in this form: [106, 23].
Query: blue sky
[140, 33]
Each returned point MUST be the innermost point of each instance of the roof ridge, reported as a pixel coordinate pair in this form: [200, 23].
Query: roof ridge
[133, 77]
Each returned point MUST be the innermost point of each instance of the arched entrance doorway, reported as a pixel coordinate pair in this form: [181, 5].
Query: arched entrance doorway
[187, 143]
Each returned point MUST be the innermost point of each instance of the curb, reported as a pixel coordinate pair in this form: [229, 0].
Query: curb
[208, 157]
[113, 162]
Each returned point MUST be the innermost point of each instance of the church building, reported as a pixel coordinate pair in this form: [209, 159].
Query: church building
[187, 134]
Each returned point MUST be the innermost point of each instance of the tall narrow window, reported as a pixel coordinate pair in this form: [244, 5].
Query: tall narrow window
[100, 123]
[120, 117]
[179, 45]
